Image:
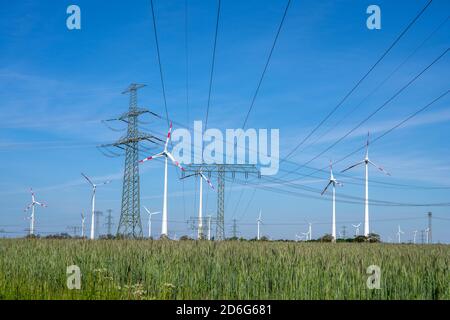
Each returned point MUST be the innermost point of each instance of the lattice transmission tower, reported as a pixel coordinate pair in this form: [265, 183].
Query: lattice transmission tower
[131, 143]
[222, 170]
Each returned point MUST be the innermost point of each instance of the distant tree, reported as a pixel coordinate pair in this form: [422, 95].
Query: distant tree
[264, 238]
[360, 239]
[108, 237]
[32, 236]
[326, 238]
[63, 235]
[373, 237]
[185, 238]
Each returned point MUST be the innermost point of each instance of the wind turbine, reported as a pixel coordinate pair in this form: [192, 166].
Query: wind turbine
[201, 177]
[209, 227]
[167, 155]
[366, 162]
[310, 230]
[333, 182]
[399, 233]
[150, 214]
[356, 229]
[94, 188]
[427, 231]
[259, 221]
[305, 234]
[297, 238]
[82, 224]
[415, 235]
[31, 206]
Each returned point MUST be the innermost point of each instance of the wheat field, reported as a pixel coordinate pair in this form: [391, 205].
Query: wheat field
[143, 269]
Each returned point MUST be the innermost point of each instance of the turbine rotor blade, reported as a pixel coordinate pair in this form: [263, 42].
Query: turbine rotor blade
[169, 134]
[188, 176]
[207, 180]
[87, 178]
[32, 194]
[159, 155]
[326, 188]
[175, 162]
[353, 166]
[148, 211]
[379, 168]
[41, 204]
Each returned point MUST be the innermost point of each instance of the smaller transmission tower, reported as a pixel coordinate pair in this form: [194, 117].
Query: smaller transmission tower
[74, 230]
[109, 222]
[98, 214]
[234, 229]
[430, 217]
[344, 232]
[222, 170]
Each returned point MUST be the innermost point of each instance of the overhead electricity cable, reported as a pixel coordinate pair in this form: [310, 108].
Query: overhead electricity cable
[381, 83]
[341, 102]
[212, 65]
[267, 64]
[375, 111]
[387, 132]
[159, 63]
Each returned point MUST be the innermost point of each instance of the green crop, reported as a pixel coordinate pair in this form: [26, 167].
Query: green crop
[143, 269]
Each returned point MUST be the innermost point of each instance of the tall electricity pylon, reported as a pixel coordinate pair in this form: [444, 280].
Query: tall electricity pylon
[130, 225]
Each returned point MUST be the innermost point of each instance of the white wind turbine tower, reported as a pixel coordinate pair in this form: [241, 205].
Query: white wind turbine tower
[82, 224]
[201, 177]
[333, 182]
[209, 227]
[94, 189]
[310, 230]
[356, 226]
[259, 221]
[150, 214]
[31, 206]
[167, 155]
[415, 236]
[427, 231]
[399, 233]
[366, 162]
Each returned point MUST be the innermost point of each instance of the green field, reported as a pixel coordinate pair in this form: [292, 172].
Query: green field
[114, 269]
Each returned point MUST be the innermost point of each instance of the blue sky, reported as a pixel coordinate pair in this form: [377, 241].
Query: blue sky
[57, 85]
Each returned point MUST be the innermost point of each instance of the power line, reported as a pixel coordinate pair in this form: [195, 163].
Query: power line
[212, 65]
[352, 200]
[360, 80]
[389, 131]
[267, 64]
[324, 169]
[186, 50]
[159, 63]
[377, 110]
[382, 82]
